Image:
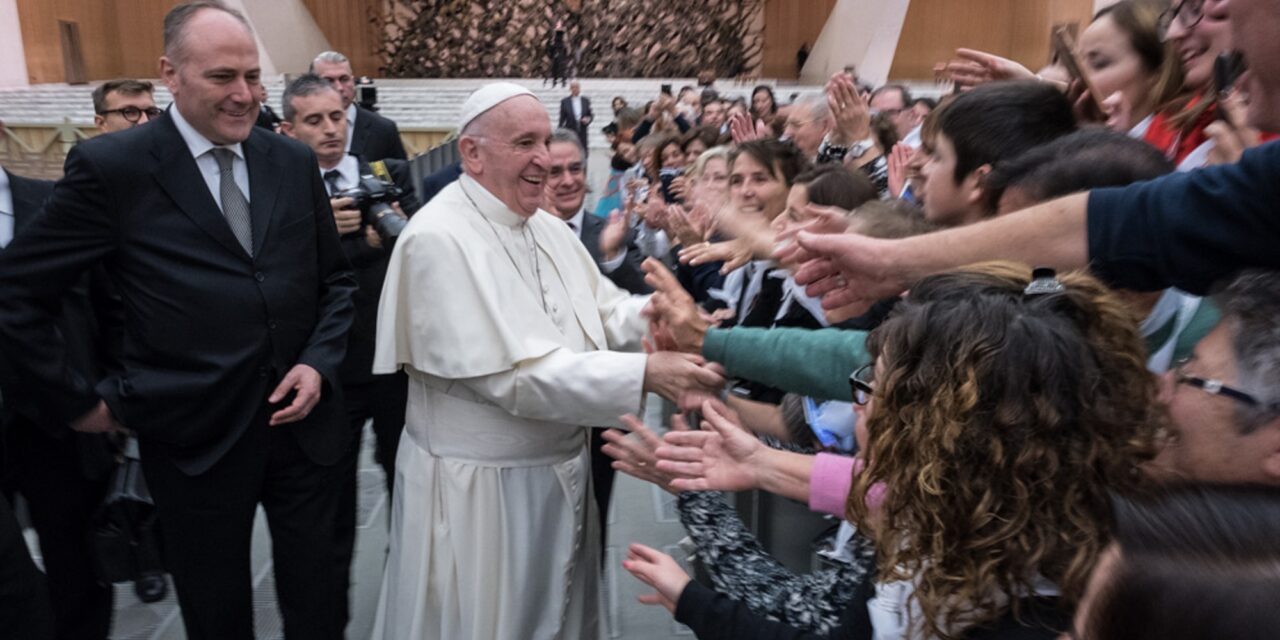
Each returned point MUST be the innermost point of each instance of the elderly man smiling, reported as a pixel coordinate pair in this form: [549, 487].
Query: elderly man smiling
[508, 332]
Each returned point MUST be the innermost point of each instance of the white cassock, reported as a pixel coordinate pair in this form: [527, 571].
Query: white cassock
[493, 530]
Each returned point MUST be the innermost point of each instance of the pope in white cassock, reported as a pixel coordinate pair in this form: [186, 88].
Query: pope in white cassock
[512, 340]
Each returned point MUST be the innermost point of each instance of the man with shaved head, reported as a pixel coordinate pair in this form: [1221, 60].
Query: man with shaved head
[237, 300]
[512, 341]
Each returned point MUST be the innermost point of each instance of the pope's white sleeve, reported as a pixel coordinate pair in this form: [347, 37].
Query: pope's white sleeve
[589, 389]
[620, 314]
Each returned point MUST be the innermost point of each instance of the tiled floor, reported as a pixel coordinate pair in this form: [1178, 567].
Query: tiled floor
[640, 512]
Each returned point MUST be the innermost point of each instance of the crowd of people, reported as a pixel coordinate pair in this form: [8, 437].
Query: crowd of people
[1022, 341]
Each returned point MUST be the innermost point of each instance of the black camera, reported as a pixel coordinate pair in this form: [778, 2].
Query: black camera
[367, 93]
[666, 177]
[374, 197]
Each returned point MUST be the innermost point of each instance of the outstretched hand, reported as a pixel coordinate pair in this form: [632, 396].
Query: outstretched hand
[659, 571]
[846, 268]
[633, 453]
[676, 320]
[720, 457]
[971, 68]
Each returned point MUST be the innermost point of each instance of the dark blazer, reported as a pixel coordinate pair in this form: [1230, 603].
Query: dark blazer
[432, 184]
[208, 330]
[628, 276]
[370, 265]
[267, 118]
[573, 124]
[375, 137]
[88, 319]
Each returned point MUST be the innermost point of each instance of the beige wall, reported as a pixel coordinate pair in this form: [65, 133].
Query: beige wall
[787, 25]
[13, 60]
[863, 33]
[288, 37]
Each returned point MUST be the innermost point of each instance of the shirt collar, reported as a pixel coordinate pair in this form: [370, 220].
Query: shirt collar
[576, 221]
[351, 115]
[198, 144]
[489, 205]
[348, 168]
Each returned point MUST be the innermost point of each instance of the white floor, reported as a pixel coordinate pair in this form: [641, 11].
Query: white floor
[640, 512]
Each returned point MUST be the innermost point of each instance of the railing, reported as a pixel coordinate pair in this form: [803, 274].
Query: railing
[39, 149]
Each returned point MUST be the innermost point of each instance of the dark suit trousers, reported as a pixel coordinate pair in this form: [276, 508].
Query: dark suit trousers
[48, 472]
[207, 522]
[24, 600]
[383, 400]
[602, 473]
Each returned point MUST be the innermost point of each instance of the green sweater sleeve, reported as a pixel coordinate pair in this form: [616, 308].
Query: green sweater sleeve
[810, 362]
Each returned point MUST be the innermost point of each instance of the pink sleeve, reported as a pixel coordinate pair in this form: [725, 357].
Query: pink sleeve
[830, 482]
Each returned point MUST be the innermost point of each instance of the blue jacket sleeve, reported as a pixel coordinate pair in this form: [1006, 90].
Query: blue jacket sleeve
[1189, 230]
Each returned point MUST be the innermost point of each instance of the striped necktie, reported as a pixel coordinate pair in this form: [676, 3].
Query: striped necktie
[234, 205]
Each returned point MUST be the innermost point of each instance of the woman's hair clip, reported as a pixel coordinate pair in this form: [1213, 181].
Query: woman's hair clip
[1044, 280]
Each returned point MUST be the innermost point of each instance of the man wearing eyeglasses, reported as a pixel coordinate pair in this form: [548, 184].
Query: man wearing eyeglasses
[123, 104]
[1224, 401]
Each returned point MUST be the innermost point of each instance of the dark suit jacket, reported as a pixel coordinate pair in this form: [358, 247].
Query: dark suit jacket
[573, 124]
[375, 137]
[628, 276]
[370, 265]
[208, 330]
[432, 184]
[267, 118]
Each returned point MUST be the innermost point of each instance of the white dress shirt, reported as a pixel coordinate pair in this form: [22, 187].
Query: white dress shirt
[576, 102]
[351, 124]
[201, 149]
[348, 172]
[6, 210]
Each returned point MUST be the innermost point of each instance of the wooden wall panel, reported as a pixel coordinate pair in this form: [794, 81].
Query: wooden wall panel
[142, 36]
[1017, 29]
[345, 23]
[787, 25]
[118, 38]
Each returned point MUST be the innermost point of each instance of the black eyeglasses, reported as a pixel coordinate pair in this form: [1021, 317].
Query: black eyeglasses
[1188, 14]
[133, 114]
[862, 383]
[1217, 388]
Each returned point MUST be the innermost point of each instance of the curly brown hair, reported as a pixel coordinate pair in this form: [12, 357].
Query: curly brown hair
[1002, 425]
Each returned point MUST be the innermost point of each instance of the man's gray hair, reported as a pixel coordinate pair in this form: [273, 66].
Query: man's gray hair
[817, 105]
[331, 57]
[1250, 306]
[565, 135]
[307, 84]
[175, 24]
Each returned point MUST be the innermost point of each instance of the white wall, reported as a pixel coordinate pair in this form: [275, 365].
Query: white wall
[863, 33]
[288, 36]
[13, 59]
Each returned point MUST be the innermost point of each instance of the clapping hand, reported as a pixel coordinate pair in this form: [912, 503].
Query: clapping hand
[659, 571]
[849, 109]
[613, 235]
[899, 161]
[743, 129]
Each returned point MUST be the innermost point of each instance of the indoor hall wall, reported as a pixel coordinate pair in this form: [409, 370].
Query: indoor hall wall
[118, 38]
[787, 25]
[1016, 29]
[346, 24]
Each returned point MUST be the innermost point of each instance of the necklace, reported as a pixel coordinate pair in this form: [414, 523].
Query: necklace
[530, 238]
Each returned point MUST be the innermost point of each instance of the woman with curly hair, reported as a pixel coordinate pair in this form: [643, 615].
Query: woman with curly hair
[994, 429]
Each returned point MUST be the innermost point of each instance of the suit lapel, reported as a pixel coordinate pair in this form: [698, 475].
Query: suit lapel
[264, 184]
[178, 175]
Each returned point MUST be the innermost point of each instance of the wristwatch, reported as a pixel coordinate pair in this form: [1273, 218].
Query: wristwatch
[860, 148]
